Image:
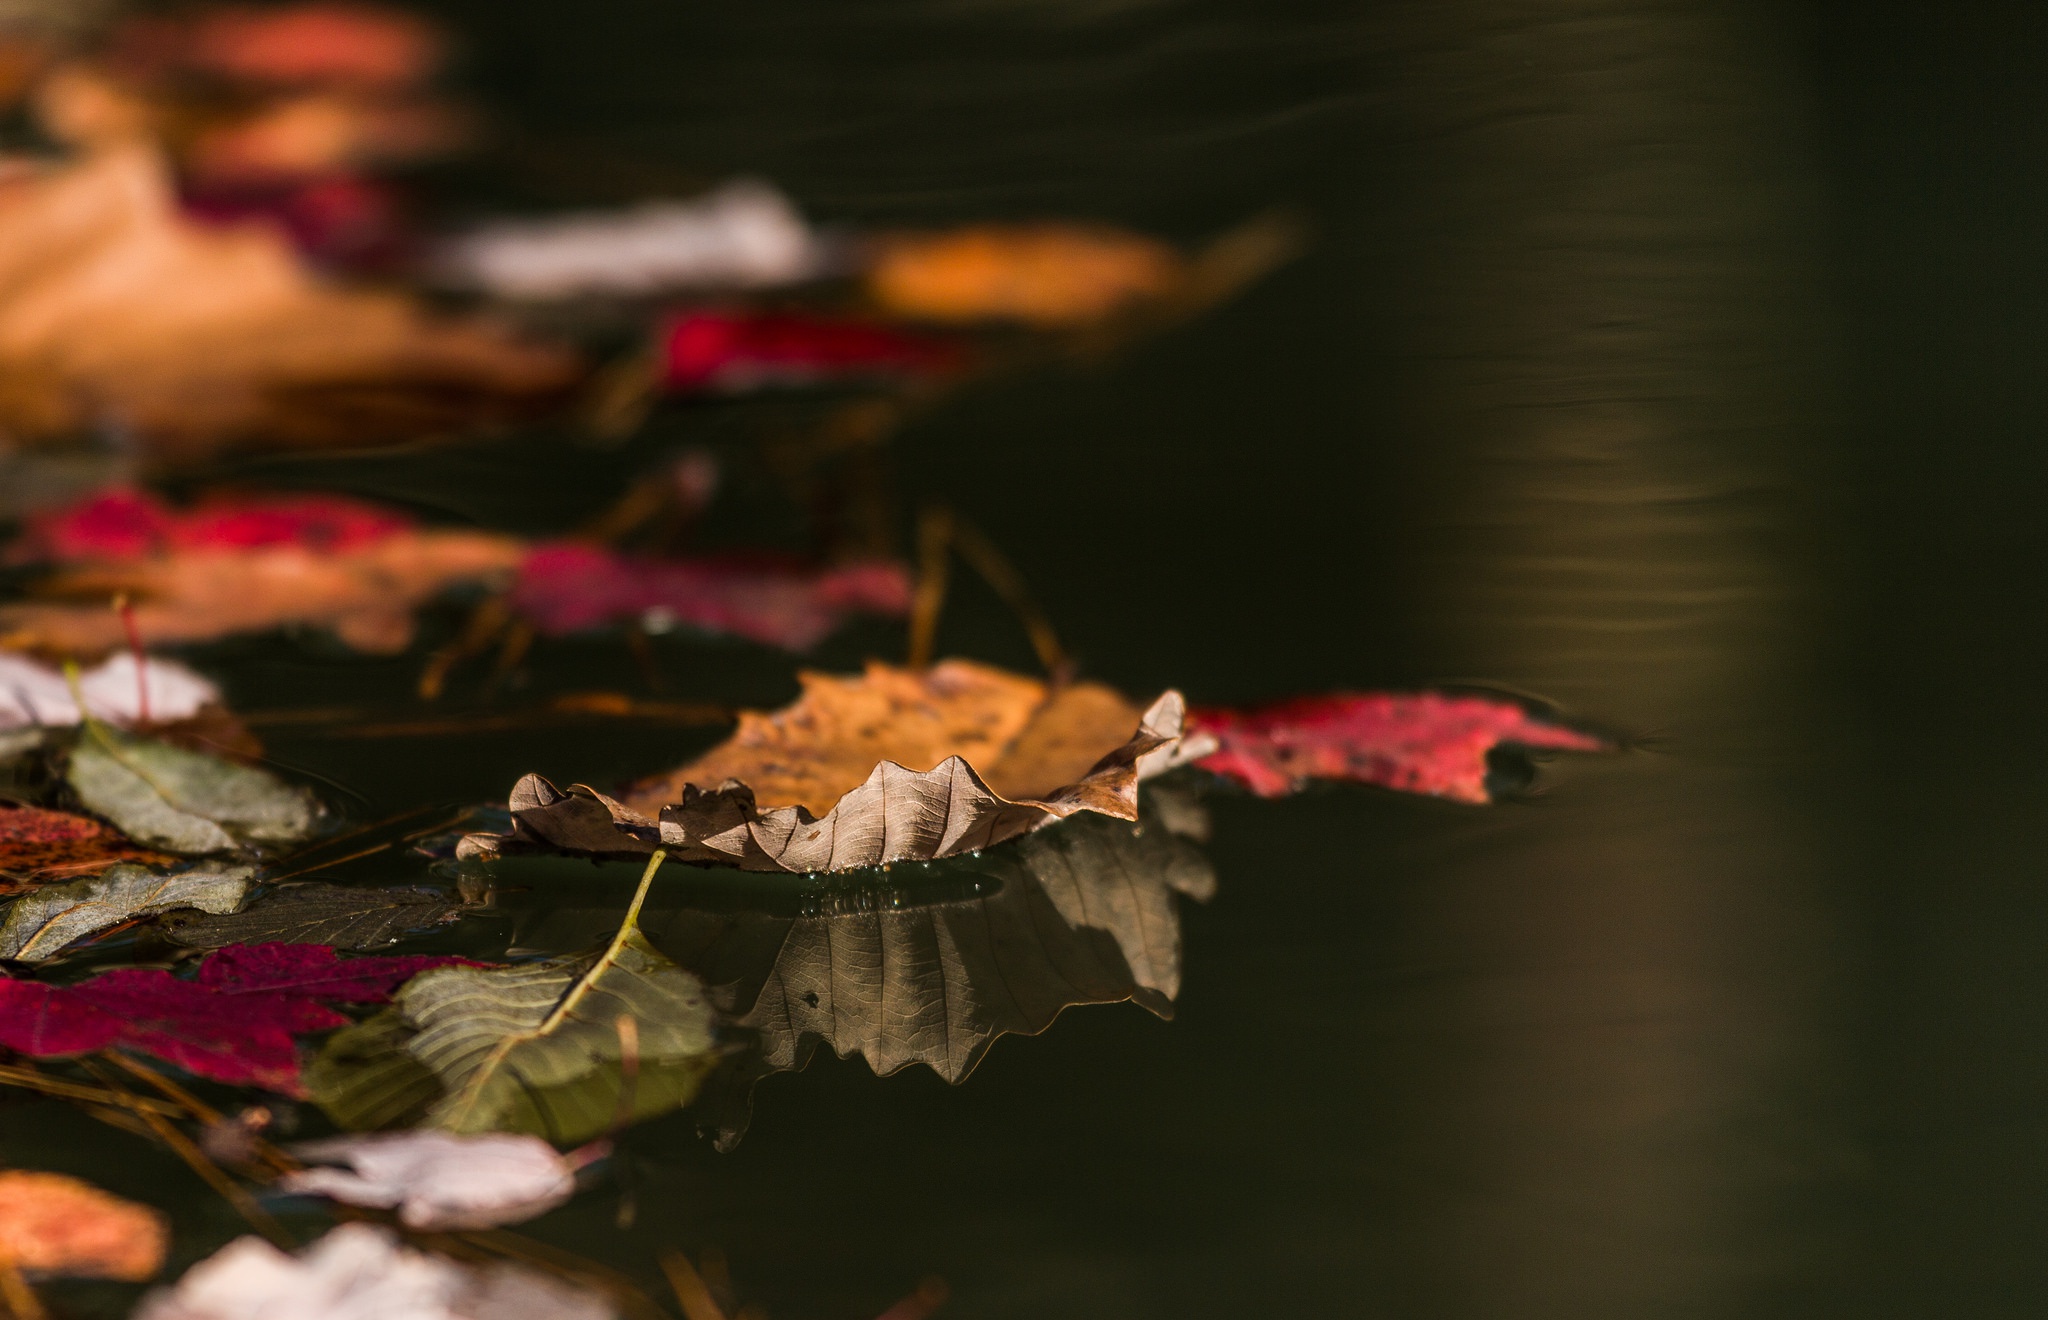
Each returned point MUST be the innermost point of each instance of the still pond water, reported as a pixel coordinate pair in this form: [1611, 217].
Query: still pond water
[1679, 361]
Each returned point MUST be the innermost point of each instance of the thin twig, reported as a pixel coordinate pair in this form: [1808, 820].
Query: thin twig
[934, 541]
[996, 569]
[21, 1300]
[30, 1080]
[690, 1290]
[277, 1160]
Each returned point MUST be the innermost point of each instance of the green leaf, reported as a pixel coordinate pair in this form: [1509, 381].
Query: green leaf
[541, 1048]
[185, 801]
[40, 925]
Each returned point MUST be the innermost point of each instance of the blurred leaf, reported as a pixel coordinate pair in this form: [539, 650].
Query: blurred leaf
[54, 1225]
[344, 916]
[1046, 275]
[563, 1048]
[438, 1181]
[40, 925]
[183, 800]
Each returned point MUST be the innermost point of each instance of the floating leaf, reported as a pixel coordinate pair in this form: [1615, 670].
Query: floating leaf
[439, 1181]
[345, 916]
[360, 1270]
[1423, 742]
[37, 845]
[1007, 755]
[1044, 275]
[233, 1023]
[40, 925]
[567, 586]
[738, 352]
[54, 1225]
[744, 235]
[242, 565]
[34, 696]
[197, 338]
[184, 800]
[539, 1048]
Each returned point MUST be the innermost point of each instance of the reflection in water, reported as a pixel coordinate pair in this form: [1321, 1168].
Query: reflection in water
[1620, 1079]
[930, 963]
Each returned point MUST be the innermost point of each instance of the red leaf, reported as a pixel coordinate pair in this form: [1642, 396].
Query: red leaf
[728, 351]
[233, 1023]
[567, 586]
[36, 844]
[1423, 742]
[124, 523]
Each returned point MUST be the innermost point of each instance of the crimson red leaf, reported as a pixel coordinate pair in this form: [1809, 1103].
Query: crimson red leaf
[729, 351]
[568, 586]
[1422, 742]
[130, 524]
[233, 1023]
[37, 844]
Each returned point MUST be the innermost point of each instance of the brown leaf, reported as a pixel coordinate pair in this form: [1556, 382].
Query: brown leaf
[200, 338]
[904, 765]
[38, 846]
[51, 1224]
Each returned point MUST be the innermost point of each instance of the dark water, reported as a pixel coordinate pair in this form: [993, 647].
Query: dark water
[1678, 361]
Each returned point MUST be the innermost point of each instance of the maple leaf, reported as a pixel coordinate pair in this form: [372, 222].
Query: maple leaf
[37, 844]
[202, 338]
[735, 352]
[1422, 742]
[1046, 275]
[834, 781]
[54, 1225]
[234, 1022]
[568, 586]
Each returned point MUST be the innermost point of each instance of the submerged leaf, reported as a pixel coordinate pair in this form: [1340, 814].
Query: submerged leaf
[1422, 742]
[37, 845]
[439, 1181]
[233, 1023]
[361, 1270]
[183, 800]
[539, 1048]
[567, 586]
[1006, 754]
[54, 1225]
[344, 916]
[40, 925]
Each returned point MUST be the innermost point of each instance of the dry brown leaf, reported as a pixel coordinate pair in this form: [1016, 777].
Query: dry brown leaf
[51, 1224]
[197, 338]
[904, 765]
[366, 594]
[1044, 274]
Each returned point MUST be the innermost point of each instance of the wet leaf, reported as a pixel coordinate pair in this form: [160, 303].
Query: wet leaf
[1045, 275]
[744, 235]
[357, 1271]
[54, 1225]
[197, 338]
[1006, 754]
[42, 924]
[37, 845]
[234, 1022]
[183, 800]
[568, 586]
[439, 1181]
[345, 916]
[246, 565]
[538, 1048]
[1423, 742]
[738, 352]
